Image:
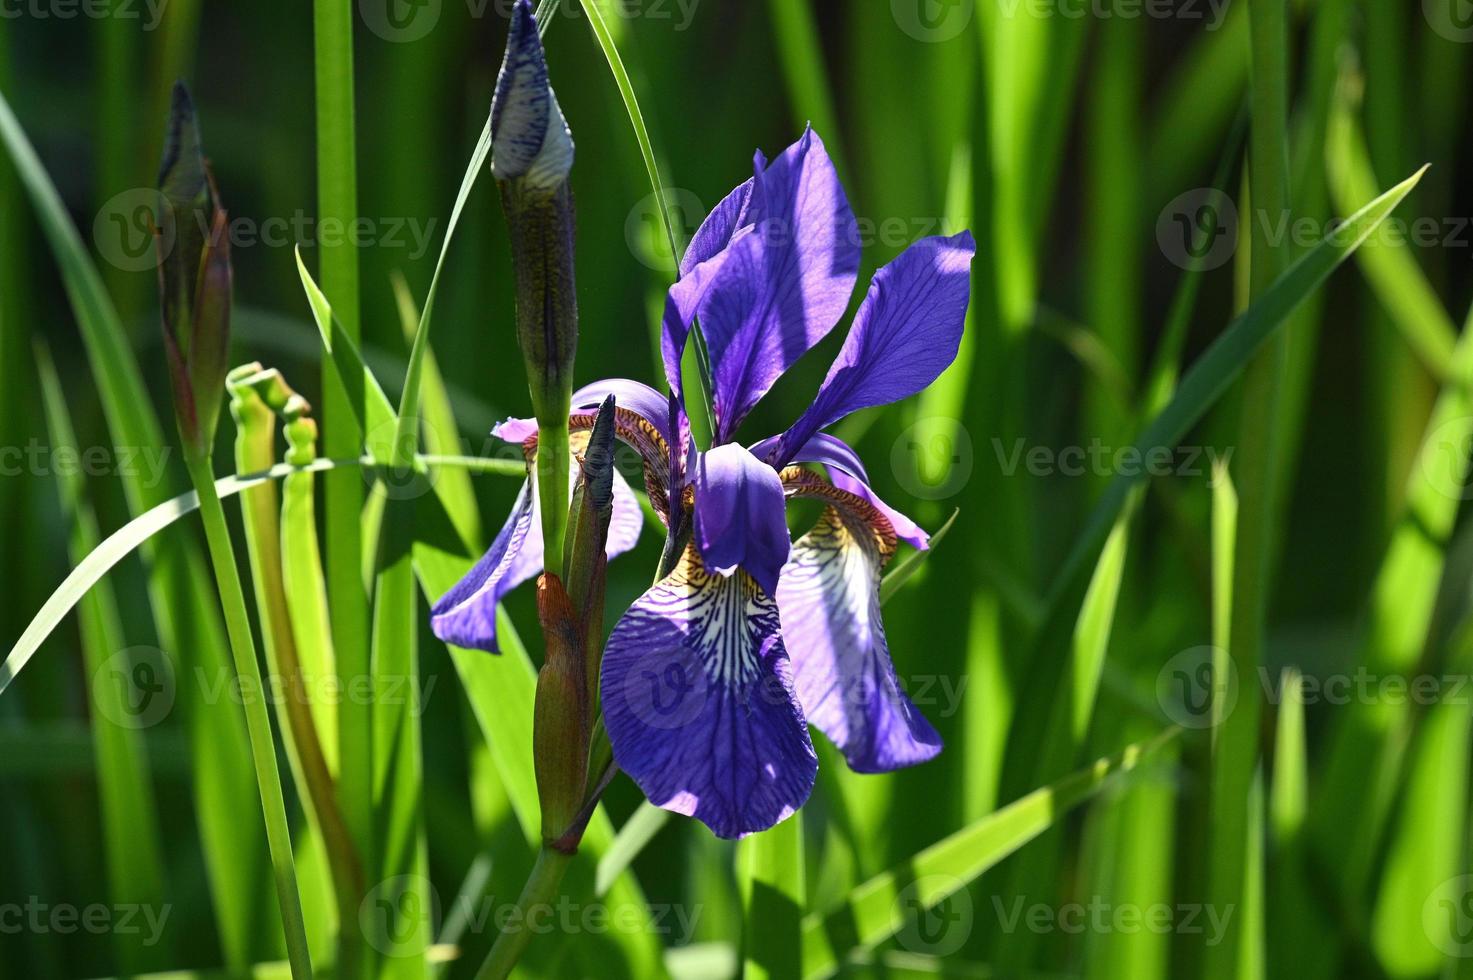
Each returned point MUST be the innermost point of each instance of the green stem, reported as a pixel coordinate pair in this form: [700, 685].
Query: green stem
[540, 889]
[258, 722]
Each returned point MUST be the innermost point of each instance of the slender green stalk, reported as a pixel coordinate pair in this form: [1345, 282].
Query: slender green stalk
[342, 408]
[540, 889]
[1235, 756]
[258, 722]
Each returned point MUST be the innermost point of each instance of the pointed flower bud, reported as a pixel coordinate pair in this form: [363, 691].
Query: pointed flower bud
[531, 155]
[195, 280]
[530, 141]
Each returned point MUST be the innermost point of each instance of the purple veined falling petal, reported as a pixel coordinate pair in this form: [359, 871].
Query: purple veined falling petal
[907, 331]
[740, 514]
[698, 700]
[466, 615]
[759, 319]
[829, 598]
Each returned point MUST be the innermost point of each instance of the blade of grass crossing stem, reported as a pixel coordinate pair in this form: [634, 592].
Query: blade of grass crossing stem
[1201, 387]
[882, 906]
[641, 828]
[343, 401]
[441, 432]
[181, 599]
[1410, 929]
[135, 865]
[137, 532]
[1369, 738]
[770, 874]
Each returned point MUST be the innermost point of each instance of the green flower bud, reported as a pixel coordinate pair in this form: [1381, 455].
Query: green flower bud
[195, 280]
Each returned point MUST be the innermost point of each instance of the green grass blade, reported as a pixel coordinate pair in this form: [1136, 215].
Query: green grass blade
[641, 828]
[879, 908]
[907, 567]
[1369, 739]
[1389, 265]
[770, 879]
[803, 68]
[135, 864]
[182, 601]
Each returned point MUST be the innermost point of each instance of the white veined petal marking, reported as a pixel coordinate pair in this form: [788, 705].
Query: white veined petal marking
[729, 618]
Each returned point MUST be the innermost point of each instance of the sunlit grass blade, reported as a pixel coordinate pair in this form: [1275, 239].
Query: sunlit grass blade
[1422, 878]
[803, 68]
[880, 907]
[770, 880]
[137, 532]
[637, 832]
[1368, 740]
[131, 837]
[1387, 261]
[911, 564]
[182, 602]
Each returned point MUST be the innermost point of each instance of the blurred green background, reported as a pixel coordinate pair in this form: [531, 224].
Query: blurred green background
[1080, 141]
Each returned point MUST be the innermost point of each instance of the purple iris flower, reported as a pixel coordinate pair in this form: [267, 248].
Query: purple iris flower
[711, 678]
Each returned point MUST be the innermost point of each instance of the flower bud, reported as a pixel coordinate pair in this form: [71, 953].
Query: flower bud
[531, 155]
[195, 280]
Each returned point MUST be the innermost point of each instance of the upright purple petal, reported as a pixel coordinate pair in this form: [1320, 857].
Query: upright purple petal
[687, 299]
[716, 232]
[698, 699]
[740, 514]
[905, 334]
[810, 261]
[466, 615]
[829, 597]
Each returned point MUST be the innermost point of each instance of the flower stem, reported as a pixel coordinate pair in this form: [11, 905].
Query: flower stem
[541, 887]
[258, 723]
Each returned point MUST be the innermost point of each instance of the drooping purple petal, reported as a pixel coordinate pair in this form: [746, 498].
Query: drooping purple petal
[758, 328]
[846, 471]
[466, 615]
[905, 334]
[829, 597]
[698, 699]
[740, 514]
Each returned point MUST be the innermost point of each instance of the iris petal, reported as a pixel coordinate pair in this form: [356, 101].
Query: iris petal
[905, 334]
[466, 615]
[740, 514]
[698, 699]
[829, 597]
